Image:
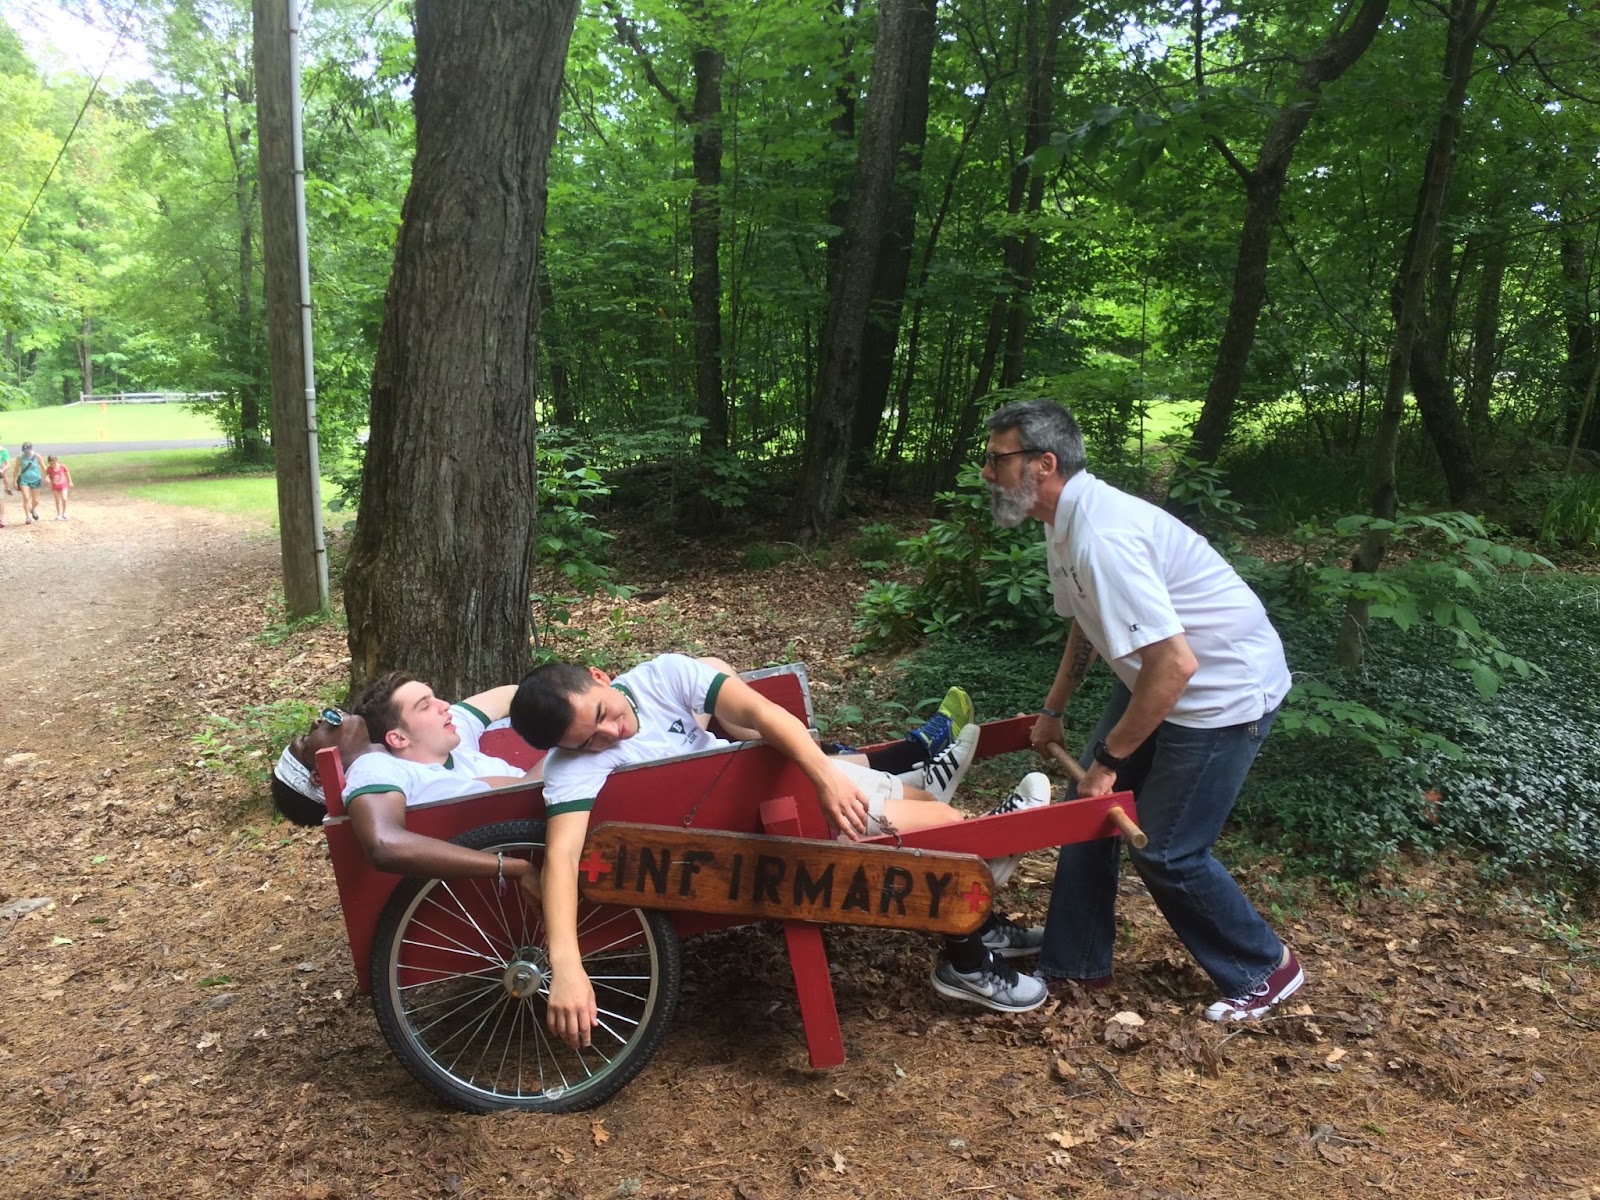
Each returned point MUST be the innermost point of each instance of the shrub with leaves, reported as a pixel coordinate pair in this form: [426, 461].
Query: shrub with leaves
[973, 576]
[571, 546]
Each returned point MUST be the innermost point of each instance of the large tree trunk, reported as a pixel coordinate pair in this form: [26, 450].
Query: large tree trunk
[839, 379]
[1263, 187]
[1433, 388]
[705, 229]
[894, 251]
[442, 563]
[1466, 24]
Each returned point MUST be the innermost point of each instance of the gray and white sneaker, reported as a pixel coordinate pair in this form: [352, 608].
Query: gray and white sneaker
[942, 774]
[993, 985]
[1032, 791]
[1006, 939]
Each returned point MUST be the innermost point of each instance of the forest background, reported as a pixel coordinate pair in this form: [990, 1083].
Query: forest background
[1320, 277]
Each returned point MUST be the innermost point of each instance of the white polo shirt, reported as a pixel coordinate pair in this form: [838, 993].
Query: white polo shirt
[459, 774]
[666, 693]
[1131, 574]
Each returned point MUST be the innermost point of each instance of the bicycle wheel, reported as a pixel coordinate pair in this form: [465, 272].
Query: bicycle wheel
[461, 978]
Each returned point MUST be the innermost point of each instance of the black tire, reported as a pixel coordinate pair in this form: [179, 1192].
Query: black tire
[450, 956]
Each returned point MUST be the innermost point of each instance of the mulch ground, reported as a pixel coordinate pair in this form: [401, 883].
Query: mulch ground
[179, 1016]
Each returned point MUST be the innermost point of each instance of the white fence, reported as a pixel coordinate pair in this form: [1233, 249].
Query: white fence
[146, 398]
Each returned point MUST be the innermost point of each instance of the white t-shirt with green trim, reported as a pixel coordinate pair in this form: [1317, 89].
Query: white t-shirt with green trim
[666, 693]
[458, 775]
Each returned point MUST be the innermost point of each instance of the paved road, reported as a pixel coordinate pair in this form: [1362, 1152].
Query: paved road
[66, 448]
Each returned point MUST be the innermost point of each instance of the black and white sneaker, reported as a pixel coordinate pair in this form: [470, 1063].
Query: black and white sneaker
[1006, 939]
[943, 774]
[1032, 791]
[993, 985]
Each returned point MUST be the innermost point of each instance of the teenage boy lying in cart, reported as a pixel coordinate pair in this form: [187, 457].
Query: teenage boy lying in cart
[402, 746]
[593, 724]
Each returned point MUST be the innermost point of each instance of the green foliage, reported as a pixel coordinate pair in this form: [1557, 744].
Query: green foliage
[1437, 563]
[1200, 488]
[763, 556]
[971, 576]
[875, 544]
[248, 745]
[1572, 517]
[571, 545]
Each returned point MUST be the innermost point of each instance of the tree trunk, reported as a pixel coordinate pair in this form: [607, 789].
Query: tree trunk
[86, 356]
[1485, 335]
[1006, 331]
[839, 378]
[252, 444]
[1023, 252]
[705, 229]
[1466, 23]
[1432, 386]
[555, 348]
[1263, 187]
[894, 251]
[442, 563]
[1576, 309]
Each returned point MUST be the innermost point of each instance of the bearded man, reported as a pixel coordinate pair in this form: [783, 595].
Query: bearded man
[1200, 677]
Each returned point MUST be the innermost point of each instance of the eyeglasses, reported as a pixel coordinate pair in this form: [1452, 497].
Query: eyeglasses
[333, 717]
[992, 460]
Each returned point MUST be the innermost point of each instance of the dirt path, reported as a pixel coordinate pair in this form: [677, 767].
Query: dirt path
[178, 1020]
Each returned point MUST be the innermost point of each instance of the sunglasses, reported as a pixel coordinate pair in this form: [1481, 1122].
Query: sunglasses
[333, 717]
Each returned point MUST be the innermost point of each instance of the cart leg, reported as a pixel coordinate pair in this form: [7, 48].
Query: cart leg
[808, 957]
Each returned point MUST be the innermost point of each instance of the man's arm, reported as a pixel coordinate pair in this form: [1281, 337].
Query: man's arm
[1165, 668]
[840, 799]
[379, 822]
[495, 704]
[572, 1009]
[1076, 656]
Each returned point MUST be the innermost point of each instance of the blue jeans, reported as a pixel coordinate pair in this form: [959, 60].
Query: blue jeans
[1185, 782]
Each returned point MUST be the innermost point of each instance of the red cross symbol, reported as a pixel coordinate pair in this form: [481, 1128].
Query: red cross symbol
[594, 866]
[975, 896]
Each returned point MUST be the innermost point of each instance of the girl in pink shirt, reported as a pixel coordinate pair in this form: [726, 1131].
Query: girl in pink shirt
[60, 484]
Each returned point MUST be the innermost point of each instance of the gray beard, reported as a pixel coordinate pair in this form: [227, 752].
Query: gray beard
[1010, 506]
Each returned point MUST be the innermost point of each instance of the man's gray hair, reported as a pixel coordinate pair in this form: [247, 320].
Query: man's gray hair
[1043, 425]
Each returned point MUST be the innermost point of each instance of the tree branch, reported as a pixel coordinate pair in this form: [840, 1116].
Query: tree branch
[628, 35]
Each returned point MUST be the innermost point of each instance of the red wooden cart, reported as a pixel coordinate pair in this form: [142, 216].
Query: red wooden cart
[458, 969]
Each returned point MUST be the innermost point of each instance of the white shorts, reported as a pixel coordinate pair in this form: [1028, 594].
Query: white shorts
[877, 787]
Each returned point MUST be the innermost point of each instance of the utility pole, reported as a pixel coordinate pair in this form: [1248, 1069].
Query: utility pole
[288, 301]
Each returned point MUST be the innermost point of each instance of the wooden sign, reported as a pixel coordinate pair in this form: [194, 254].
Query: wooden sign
[784, 878]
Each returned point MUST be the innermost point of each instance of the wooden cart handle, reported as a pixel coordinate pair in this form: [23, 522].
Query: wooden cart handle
[1135, 836]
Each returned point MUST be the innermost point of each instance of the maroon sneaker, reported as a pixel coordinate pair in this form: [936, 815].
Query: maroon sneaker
[1279, 986]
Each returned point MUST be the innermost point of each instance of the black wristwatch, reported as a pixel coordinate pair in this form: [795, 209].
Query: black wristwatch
[1107, 759]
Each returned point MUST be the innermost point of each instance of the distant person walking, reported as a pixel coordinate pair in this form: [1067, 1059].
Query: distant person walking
[30, 478]
[60, 484]
[5, 480]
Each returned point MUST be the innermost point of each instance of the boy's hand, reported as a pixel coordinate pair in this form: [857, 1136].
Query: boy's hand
[572, 1007]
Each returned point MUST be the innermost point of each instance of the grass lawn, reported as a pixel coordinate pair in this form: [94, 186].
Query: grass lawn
[112, 423]
[194, 479]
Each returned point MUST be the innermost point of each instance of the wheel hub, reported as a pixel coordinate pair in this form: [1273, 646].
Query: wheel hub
[527, 973]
